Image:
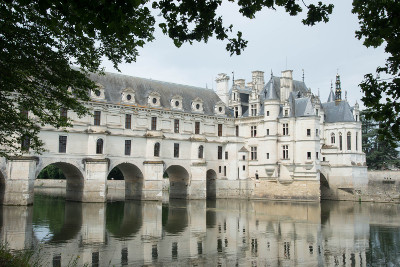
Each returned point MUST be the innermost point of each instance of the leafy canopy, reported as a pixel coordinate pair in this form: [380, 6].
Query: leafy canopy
[41, 39]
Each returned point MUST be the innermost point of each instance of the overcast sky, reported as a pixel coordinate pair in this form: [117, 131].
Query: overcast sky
[276, 42]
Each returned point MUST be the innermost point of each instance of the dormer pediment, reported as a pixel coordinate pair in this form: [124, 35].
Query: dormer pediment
[197, 105]
[176, 102]
[219, 108]
[153, 99]
[98, 93]
[128, 95]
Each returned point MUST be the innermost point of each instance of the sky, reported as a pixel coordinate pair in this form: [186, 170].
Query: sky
[276, 41]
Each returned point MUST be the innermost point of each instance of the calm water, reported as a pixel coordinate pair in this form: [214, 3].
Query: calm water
[206, 233]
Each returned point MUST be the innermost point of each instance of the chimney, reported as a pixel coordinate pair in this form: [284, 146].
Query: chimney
[222, 87]
[258, 79]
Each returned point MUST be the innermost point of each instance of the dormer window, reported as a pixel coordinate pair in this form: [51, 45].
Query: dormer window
[128, 95]
[176, 102]
[219, 108]
[197, 105]
[154, 99]
[98, 93]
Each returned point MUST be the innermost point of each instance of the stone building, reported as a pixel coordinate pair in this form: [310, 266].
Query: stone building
[269, 140]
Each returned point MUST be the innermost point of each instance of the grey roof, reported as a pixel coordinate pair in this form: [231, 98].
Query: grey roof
[114, 84]
[303, 107]
[339, 112]
[331, 97]
[269, 92]
[273, 87]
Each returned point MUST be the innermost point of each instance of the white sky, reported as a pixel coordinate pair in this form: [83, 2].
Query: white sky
[274, 39]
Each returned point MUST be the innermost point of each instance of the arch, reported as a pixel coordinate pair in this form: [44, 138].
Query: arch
[99, 146]
[157, 149]
[201, 152]
[178, 181]
[211, 177]
[325, 190]
[124, 219]
[74, 179]
[133, 177]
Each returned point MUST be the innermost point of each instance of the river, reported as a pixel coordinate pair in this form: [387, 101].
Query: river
[205, 233]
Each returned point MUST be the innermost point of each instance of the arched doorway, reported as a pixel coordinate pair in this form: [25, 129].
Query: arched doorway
[65, 171]
[211, 177]
[178, 181]
[128, 176]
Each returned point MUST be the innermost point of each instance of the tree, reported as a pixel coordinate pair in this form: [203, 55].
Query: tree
[40, 40]
[380, 25]
[380, 153]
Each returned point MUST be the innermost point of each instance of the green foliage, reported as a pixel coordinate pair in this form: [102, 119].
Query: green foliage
[380, 25]
[49, 212]
[40, 40]
[380, 152]
[51, 172]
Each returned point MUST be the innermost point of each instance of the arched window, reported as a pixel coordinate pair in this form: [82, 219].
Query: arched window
[340, 141]
[333, 138]
[157, 149]
[201, 150]
[348, 140]
[99, 146]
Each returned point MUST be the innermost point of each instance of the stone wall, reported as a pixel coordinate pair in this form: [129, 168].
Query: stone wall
[383, 186]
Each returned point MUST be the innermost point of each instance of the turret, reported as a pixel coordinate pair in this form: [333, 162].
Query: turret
[223, 87]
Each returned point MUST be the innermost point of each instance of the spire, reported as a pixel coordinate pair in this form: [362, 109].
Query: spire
[303, 75]
[338, 91]
[271, 74]
[331, 97]
[345, 95]
[233, 78]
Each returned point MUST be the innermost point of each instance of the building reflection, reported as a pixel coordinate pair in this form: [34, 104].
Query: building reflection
[214, 233]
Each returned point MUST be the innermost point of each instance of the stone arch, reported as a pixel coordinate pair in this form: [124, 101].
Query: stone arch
[211, 178]
[74, 179]
[2, 186]
[324, 186]
[124, 219]
[133, 178]
[179, 179]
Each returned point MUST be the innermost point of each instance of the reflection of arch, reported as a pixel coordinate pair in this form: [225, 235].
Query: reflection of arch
[211, 216]
[123, 219]
[179, 181]
[74, 179]
[211, 184]
[72, 223]
[133, 177]
[177, 219]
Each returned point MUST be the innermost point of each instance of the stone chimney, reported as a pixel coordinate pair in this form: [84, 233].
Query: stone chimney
[240, 83]
[223, 87]
[286, 84]
[258, 79]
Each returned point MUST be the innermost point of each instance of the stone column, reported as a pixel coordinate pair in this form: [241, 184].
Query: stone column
[94, 187]
[153, 179]
[20, 181]
[197, 188]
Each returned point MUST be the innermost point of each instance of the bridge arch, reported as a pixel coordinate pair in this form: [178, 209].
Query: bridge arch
[211, 189]
[133, 178]
[179, 179]
[74, 178]
[2, 186]
[324, 186]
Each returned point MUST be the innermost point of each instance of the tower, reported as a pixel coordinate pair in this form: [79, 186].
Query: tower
[338, 91]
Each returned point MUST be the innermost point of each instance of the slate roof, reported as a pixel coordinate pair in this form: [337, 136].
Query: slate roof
[331, 97]
[338, 113]
[114, 84]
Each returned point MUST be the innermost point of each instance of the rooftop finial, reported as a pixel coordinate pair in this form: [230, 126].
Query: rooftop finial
[331, 85]
[338, 91]
[233, 78]
[345, 95]
[303, 75]
[271, 74]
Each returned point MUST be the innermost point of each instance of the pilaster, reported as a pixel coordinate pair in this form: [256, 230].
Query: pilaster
[153, 179]
[94, 187]
[197, 188]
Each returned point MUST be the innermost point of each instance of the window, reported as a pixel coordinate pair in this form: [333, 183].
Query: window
[254, 110]
[317, 112]
[340, 141]
[356, 117]
[308, 155]
[197, 127]
[97, 115]
[253, 131]
[99, 146]
[348, 141]
[286, 112]
[332, 138]
[219, 169]
[317, 155]
[201, 150]
[176, 126]
[25, 143]
[127, 147]
[219, 129]
[176, 150]
[244, 167]
[157, 149]
[323, 158]
[285, 129]
[285, 149]
[356, 141]
[224, 170]
[267, 131]
[64, 113]
[308, 132]
[219, 152]
[267, 112]
[267, 155]
[237, 130]
[62, 144]
[316, 132]
[226, 154]
[128, 121]
[253, 153]
[236, 112]
[244, 157]
[153, 123]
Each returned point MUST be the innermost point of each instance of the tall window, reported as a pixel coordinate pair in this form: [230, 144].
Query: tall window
[226, 154]
[308, 132]
[224, 170]
[128, 121]
[62, 144]
[128, 144]
[267, 131]
[253, 131]
[267, 112]
[176, 150]
[64, 113]
[356, 141]
[267, 155]
[201, 151]
[236, 112]
[254, 110]
[219, 129]
[237, 130]
[176, 126]
[25, 143]
[157, 149]
[153, 123]
[253, 153]
[286, 112]
[197, 127]
[99, 146]
[285, 129]
[285, 151]
[308, 155]
[317, 112]
[97, 115]
[219, 152]
[340, 141]
[316, 132]
[332, 138]
[348, 141]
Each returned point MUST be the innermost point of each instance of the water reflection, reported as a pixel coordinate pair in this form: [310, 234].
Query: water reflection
[200, 233]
